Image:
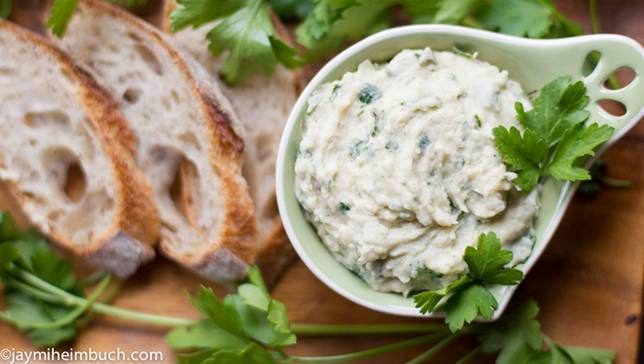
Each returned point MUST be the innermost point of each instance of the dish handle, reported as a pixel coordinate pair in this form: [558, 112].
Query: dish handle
[614, 52]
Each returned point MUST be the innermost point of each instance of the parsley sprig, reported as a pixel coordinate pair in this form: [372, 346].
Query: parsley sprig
[45, 299]
[244, 29]
[62, 11]
[331, 23]
[45, 319]
[469, 296]
[245, 327]
[556, 138]
[517, 338]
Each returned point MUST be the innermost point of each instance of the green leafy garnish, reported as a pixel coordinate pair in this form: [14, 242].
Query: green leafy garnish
[61, 14]
[588, 355]
[528, 18]
[556, 138]
[45, 323]
[247, 327]
[5, 8]
[369, 94]
[344, 207]
[243, 29]
[63, 10]
[469, 297]
[598, 177]
[517, 338]
[332, 22]
[290, 10]
[44, 300]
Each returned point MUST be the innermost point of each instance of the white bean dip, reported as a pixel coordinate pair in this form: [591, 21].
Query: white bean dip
[398, 172]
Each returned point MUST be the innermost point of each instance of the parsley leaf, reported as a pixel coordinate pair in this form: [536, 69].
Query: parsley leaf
[233, 327]
[518, 17]
[428, 300]
[63, 10]
[559, 106]
[245, 34]
[321, 19]
[27, 313]
[333, 22]
[195, 13]
[577, 142]
[453, 11]
[204, 335]
[45, 323]
[531, 18]
[244, 30]
[61, 14]
[290, 10]
[8, 229]
[464, 306]
[523, 153]
[552, 356]
[516, 337]
[556, 138]
[250, 354]
[487, 262]
[589, 355]
[469, 297]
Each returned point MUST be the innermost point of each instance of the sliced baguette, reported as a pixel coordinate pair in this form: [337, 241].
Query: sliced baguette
[263, 105]
[188, 139]
[61, 157]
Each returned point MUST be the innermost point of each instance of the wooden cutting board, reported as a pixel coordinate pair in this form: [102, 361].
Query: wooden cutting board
[588, 283]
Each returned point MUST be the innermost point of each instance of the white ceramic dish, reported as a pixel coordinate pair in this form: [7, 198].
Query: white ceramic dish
[532, 63]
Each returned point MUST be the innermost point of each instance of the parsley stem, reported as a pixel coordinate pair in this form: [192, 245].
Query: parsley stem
[362, 329]
[469, 356]
[469, 21]
[617, 183]
[92, 278]
[613, 82]
[433, 350]
[65, 320]
[36, 293]
[359, 355]
[41, 289]
[102, 308]
[147, 318]
[592, 4]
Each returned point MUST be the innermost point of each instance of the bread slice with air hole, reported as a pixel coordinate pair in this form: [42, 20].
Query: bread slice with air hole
[189, 143]
[263, 105]
[65, 157]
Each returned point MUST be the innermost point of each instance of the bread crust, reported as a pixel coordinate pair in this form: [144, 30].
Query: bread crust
[235, 241]
[129, 241]
[276, 254]
[275, 250]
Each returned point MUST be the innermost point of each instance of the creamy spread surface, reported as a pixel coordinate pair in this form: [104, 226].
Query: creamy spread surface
[398, 171]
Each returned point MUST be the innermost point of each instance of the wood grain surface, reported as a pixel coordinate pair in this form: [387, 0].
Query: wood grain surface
[588, 282]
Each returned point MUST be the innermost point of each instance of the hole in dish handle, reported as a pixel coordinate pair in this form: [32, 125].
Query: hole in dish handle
[616, 52]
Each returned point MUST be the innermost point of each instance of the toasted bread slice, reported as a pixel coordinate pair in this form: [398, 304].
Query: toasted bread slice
[263, 105]
[64, 156]
[188, 138]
